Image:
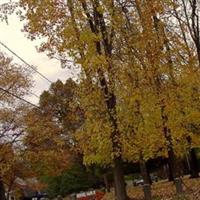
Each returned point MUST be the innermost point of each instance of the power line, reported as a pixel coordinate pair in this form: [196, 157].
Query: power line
[13, 84]
[30, 66]
[29, 93]
[7, 89]
[20, 98]
[35, 95]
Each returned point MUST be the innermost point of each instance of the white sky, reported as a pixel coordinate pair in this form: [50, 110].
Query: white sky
[12, 36]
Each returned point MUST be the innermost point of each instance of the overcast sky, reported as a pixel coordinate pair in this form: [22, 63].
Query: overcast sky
[15, 39]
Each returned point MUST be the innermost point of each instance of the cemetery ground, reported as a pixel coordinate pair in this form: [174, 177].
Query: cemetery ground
[164, 190]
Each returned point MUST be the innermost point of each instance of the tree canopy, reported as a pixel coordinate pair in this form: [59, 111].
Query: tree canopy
[139, 81]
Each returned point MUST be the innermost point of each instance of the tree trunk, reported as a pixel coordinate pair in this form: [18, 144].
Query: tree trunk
[147, 180]
[145, 173]
[198, 54]
[173, 172]
[2, 190]
[170, 171]
[98, 26]
[172, 162]
[120, 187]
[193, 164]
[149, 175]
[147, 192]
[106, 182]
[173, 165]
[9, 188]
[7, 195]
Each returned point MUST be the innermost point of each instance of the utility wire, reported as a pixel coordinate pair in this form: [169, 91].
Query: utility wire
[29, 93]
[30, 66]
[20, 98]
[13, 84]
[35, 95]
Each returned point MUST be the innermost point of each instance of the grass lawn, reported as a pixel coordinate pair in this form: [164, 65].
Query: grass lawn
[164, 190]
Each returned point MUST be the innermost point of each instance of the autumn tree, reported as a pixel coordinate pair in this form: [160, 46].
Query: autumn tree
[50, 130]
[61, 103]
[185, 22]
[43, 147]
[15, 80]
[187, 14]
[88, 38]
[134, 77]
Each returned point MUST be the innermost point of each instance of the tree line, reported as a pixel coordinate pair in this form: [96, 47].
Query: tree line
[137, 95]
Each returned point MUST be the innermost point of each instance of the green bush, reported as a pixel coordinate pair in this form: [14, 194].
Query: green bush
[73, 180]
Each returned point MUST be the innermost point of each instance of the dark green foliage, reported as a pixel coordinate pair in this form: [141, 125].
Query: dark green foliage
[75, 179]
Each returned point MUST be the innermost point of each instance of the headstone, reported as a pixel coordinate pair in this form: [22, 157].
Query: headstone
[179, 187]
